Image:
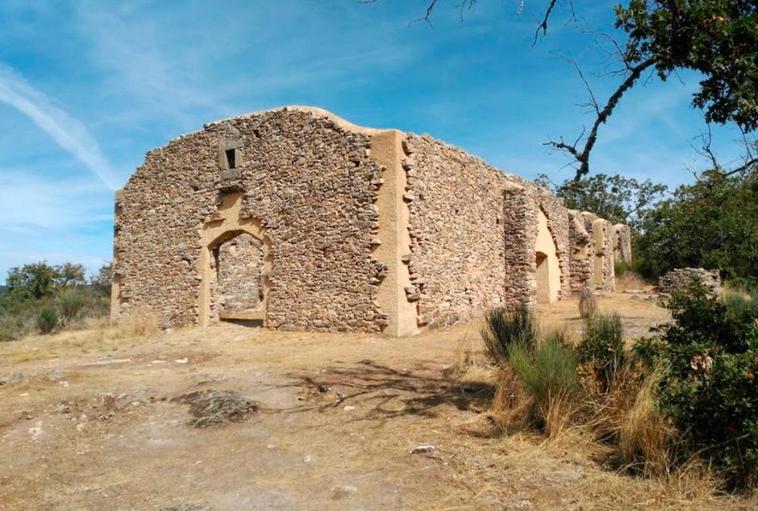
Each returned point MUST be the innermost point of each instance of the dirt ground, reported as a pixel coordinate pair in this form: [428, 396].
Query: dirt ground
[89, 420]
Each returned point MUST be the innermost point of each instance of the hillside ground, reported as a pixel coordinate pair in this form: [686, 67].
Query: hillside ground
[89, 420]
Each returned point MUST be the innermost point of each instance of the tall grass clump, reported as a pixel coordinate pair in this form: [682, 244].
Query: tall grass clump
[644, 436]
[602, 347]
[47, 319]
[587, 303]
[140, 322]
[503, 330]
[547, 372]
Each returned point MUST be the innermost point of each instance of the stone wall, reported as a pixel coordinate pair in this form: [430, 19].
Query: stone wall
[306, 180]
[582, 252]
[558, 224]
[622, 243]
[601, 253]
[520, 228]
[680, 278]
[456, 227]
[238, 265]
[473, 235]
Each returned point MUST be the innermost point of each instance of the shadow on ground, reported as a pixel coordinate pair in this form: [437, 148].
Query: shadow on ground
[380, 392]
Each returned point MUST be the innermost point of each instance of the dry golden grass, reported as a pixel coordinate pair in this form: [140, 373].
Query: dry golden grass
[408, 404]
[510, 404]
[644, 436]
[630, 280]
[139, 323]
[96, 335]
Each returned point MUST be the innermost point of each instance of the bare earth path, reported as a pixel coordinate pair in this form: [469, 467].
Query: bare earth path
[88, 422]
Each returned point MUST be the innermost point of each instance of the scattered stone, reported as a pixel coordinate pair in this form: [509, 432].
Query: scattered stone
[307, 458]
[342, 491]
[211, 407]
[349, 408]
[424, 449]
[187, 507]
[36, 431]
[181, 360]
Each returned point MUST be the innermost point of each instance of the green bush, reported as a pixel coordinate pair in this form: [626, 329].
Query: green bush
[710, 387]
[602, 347]
[547, 371]
[70, 302]
[503, 330]
[47, 319]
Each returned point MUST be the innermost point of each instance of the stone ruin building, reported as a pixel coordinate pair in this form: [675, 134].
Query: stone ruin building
[680, 279]
[303, 221]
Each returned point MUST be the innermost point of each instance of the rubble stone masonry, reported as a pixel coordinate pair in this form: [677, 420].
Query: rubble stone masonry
[311, 223]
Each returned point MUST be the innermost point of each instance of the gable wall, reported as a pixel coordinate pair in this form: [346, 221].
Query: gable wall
[309, 182]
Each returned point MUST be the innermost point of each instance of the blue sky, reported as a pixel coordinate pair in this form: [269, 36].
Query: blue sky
[86, 88]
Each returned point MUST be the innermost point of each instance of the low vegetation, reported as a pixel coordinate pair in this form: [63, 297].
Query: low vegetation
[40, 298]
[682, 400]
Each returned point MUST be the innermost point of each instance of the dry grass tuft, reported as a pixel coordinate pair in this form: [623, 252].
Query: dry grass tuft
[630, 280]
[470, 362]
[558, 415]
[587, 304]
[139, 323]
[644, 436]
[511, 404]
[693, 480]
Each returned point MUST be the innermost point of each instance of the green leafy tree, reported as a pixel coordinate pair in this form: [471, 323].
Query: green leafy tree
[31, 281]
[712, 223]
[615, 198]
[70, 274]
[717, 38]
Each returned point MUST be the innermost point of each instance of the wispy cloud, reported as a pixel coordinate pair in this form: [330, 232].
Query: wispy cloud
[69, 133]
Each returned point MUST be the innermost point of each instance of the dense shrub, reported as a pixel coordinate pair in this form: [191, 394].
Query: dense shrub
[547, 372]
[602, 347]
[547, 369]
[9, 328]
[710, 386]
[70, 303]
[503, 330]
[47, 319]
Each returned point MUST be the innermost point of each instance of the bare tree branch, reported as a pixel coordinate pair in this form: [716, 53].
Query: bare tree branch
[582, 156]
[543, 25]
[749, 163]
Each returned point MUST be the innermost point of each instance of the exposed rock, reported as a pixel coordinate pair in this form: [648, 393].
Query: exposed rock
[424, 449]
